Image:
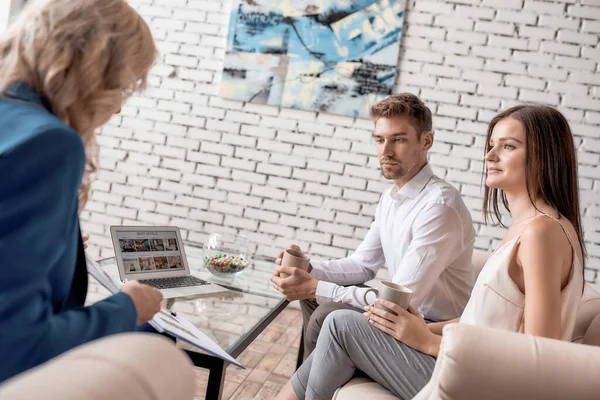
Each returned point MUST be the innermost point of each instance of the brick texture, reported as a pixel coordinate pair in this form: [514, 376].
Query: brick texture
[179, 154]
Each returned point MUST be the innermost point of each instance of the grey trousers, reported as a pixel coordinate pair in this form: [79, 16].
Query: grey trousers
[313, 316]
[348, 343]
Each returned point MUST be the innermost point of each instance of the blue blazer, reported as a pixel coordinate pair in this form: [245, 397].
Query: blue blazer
[43, 275]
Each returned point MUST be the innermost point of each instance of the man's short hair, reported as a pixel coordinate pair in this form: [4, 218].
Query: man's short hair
[404, 105]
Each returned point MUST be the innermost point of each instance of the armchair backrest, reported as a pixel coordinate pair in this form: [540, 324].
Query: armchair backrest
[589, 307]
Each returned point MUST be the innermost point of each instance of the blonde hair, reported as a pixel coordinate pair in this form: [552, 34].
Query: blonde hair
[85, 57]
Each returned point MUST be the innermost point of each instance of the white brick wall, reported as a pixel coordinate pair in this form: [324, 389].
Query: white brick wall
[181, 155]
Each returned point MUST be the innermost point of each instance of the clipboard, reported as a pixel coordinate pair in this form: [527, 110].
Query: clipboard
[166, 321]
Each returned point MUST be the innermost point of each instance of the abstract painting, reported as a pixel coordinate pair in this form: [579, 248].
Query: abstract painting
[335, 56]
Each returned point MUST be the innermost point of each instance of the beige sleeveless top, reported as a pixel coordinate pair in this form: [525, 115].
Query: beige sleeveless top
[497, 302]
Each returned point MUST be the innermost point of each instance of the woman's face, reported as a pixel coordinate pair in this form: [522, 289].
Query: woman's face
[505, 159]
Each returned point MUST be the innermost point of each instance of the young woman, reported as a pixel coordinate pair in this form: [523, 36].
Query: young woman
[532, 283]
[66, 66]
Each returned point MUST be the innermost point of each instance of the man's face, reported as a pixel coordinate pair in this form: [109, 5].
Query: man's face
[398, 146]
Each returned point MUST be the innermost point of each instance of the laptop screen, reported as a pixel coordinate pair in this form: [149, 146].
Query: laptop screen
[149, 251]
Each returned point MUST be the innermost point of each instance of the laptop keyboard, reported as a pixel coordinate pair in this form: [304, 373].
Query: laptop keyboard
[174, 282]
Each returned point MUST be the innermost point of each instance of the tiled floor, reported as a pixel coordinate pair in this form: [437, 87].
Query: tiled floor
[270, 361]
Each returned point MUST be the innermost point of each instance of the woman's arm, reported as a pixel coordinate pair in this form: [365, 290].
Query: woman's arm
[543, 253]
[438, 327]
[38, 242]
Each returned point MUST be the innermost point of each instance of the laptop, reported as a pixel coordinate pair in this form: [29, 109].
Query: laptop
[155, 256]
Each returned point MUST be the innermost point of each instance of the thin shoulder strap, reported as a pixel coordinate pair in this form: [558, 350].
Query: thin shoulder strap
[563, 228]
[575, 255]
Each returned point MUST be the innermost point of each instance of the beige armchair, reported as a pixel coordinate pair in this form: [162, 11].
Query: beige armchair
[483, 363]
[132, 366]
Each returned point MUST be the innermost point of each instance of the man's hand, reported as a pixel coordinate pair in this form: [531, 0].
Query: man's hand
[299, 285]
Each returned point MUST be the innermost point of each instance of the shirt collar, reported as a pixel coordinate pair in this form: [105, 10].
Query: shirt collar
[23, 91]
[416, 184]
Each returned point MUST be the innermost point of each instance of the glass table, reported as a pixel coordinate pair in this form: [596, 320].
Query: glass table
[232, 319]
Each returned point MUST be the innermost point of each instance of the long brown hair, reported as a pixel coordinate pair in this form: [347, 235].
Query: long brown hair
[550, 164]
[84, 56]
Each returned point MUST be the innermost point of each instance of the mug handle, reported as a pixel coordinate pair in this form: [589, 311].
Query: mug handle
[370, 290]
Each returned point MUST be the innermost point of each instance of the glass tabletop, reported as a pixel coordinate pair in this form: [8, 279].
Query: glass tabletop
[228, 318]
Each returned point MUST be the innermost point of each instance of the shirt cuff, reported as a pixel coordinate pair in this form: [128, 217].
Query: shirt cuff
[324, 293]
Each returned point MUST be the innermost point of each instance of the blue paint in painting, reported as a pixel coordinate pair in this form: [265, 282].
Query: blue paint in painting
[335, 56]
[310, 40]
[259, 31]
[367, 31]
[335, 10]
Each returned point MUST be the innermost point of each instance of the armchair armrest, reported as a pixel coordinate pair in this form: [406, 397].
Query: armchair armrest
[484, 363]
[133, 366]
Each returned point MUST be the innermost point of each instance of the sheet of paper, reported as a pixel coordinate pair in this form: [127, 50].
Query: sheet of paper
[186, 331]
[99, 274]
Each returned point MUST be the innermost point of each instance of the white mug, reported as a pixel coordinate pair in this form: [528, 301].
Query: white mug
[393, 292]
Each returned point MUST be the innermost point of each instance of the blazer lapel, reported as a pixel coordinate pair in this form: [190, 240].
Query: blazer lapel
[79, 286]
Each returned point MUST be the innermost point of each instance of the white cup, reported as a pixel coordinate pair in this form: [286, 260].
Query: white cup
[393, 292]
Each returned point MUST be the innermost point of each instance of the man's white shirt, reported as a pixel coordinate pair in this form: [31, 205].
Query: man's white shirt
[424, 234]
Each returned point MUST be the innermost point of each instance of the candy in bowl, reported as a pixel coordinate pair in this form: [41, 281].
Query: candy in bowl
[226, 255]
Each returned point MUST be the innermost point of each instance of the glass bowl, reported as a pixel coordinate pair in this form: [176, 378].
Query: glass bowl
[226, 255]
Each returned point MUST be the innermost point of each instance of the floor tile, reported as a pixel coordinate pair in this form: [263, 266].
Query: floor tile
[270, 361]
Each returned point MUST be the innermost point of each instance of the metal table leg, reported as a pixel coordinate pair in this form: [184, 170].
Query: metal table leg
[216, 378]
[300, 358]
[216, 373]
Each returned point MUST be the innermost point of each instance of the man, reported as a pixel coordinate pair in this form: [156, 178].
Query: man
[422, 232]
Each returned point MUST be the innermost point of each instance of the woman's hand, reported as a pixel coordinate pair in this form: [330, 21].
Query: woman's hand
[408, 327]
[146, 300]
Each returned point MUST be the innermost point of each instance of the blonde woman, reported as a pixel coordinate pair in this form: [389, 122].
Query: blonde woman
[66, 66]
